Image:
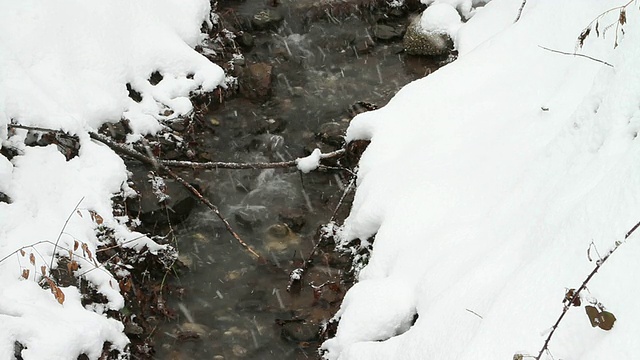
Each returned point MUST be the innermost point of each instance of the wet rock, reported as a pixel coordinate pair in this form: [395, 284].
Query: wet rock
[253, 301]
[296, 332]
[363, 45]
[199, 329]
[117, 131]
[255, 81]
[245, 40]
[386, 32]
[266, 20]
[294, 218]
[416, 41]
[132, 328]
[332, 133]
[251, 217]
[178, 125]
[154, 213]
[279, 237]
[239, 351]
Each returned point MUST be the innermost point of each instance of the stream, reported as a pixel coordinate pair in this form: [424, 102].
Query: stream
[324, 65]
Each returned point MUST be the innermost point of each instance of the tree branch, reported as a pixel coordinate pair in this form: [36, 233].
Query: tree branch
[576, 294]
[575, 54]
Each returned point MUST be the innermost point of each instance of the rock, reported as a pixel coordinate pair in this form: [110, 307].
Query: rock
[245, 40]
[132, 328]
[331, 133]
[239, 351]
[178, 125]
[296, 332]
[416, 41]
[189, 327]
[255, 81]
[293, 218]
[153, 213]
[155, 78]
[386, 32]
[251, 217]
[266, 20]
[363, 45]
[280, 238]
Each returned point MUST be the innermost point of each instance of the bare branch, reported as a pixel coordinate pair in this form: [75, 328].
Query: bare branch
[524, 2]
[576, 294]
[575, 54]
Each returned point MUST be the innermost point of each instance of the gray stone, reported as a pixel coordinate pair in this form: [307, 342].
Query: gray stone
[386, 32]
[426, 43]
[266, 19]
[332, 133]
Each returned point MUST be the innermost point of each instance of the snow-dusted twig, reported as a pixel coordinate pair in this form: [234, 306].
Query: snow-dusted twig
[575, 54]
[238, 166]
[576, 294]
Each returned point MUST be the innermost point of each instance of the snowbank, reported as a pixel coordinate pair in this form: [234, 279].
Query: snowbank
[485, 184]
[66, 65]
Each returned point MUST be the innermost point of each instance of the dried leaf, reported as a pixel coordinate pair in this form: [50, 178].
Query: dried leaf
[597, 28]
[75, 245]
[43, 270]
[59, 295]
[604, 320]
[32, 259]
[570, 297]
[22, 252]
[25, 273]
[74, 265]
[583, 36]
[96, 217]
[622, 19]
[79, 213]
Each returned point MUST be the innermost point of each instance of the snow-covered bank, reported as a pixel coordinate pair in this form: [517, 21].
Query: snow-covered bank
[485, 184]
[66, 65]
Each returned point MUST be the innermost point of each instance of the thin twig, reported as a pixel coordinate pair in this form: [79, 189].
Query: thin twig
[524, 2]
[55, 246]
[576, 294]
[575, 54]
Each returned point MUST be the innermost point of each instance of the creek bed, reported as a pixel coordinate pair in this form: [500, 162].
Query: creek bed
[227, 305]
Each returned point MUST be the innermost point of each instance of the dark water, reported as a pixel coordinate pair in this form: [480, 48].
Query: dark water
[231, 307]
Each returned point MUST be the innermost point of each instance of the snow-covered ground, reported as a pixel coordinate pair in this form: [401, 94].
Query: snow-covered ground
[485, 185]
[65, 65]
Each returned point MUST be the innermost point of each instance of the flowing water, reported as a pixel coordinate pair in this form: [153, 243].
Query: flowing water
[230, 306]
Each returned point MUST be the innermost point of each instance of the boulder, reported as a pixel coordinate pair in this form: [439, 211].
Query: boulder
[418, 41]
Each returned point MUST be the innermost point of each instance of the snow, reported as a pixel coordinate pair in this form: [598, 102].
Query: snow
[441, 18]
[485, 184]
[65, 65]
[309, 163]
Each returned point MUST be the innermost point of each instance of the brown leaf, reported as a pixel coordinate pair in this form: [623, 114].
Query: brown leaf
[604, 320]
[25, 273]
[74, 265]
[96, 217]
[75, 245]
[43, 270]
[32, 259]
[79, 213]
[583, 36]
[22, 252]
[622, 19]
[59, 295]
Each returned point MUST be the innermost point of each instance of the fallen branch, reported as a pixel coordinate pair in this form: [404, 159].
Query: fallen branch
[576, 294]
[238, 166]
[575, 54]
[152, 162]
